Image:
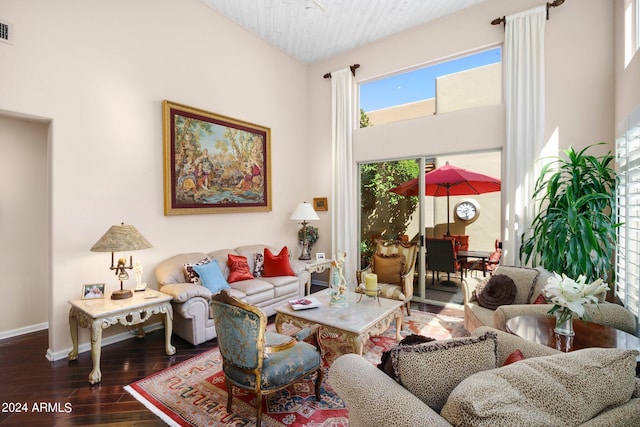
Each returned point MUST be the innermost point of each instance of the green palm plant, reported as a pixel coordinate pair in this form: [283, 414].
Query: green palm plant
[574, 231]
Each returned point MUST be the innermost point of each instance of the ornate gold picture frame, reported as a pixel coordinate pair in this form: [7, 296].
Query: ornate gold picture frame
[320, 204]
[213, 163]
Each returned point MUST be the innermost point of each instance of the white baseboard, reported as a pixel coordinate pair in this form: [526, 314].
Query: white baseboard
[63, 354]
[25, 330]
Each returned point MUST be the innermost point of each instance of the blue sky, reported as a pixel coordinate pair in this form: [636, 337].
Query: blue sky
[419, 84]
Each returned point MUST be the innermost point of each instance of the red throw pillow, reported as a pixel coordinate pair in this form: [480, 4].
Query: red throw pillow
[277, 265]
[239, 268]
[540, 300]
[513, 357]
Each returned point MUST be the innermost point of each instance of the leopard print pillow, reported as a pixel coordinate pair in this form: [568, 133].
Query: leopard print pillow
[431, 371]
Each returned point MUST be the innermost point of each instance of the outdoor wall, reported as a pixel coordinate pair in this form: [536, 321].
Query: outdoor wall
[579, 87]
[474, 88]
[486, 229]
[397, 113]
[99, 71]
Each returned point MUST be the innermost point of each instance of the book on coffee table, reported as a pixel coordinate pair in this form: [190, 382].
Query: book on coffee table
[304, 303]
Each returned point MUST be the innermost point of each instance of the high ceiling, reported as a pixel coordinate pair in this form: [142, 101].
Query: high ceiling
[314, 30]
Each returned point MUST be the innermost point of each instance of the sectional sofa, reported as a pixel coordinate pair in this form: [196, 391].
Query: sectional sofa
[463, 381]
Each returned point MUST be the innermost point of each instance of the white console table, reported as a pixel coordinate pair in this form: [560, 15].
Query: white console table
[99, 314]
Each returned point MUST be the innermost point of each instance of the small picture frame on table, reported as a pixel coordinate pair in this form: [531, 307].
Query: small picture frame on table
[93, 291]
[320, 256]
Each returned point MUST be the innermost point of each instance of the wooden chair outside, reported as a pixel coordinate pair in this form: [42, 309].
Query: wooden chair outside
[461, 240]
[441, 257]
[492, 262]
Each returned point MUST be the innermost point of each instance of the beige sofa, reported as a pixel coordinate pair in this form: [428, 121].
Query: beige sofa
[529, 283]
[192, 318]
[375, 399]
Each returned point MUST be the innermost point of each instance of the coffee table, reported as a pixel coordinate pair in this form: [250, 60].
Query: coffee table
[539, 329]
[354, 323]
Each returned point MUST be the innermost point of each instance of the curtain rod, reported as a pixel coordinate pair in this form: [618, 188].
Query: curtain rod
[353, 68]
[503, 20]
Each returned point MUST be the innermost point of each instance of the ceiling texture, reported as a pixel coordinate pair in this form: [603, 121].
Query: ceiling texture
[314, 30]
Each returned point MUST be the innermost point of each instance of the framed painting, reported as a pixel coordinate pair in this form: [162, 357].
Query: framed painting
[320, 204]
[213, 163]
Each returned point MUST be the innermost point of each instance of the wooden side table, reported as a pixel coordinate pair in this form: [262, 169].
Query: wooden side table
[316, 267]
[99, 314]
[539, 329]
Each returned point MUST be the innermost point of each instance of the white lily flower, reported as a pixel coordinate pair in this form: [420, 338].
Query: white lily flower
[570, 296]
[596, 288]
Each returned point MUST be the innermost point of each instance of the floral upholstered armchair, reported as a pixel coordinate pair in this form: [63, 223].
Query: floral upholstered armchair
[394, 263]
[256, 360]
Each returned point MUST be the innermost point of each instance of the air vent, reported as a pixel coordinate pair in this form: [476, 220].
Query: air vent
[6, 32]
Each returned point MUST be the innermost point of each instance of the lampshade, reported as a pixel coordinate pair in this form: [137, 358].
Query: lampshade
[304, 212]
[121, 238]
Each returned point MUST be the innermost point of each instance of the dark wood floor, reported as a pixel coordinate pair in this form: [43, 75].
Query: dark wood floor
[62, 389]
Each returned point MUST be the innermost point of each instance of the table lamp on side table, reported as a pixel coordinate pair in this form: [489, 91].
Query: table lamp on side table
[304, 212]
[121, 238]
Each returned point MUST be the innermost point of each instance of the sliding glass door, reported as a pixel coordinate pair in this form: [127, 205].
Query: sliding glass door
[386, 214]
[393, 205]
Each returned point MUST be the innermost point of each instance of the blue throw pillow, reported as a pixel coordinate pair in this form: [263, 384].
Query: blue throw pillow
[211, 276]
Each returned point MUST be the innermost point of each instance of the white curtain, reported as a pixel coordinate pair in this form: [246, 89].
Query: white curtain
[344, 205]
[524, 104]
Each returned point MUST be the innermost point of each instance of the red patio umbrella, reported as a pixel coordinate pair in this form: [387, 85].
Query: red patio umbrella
[448, 181]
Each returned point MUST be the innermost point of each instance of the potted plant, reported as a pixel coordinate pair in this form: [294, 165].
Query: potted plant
[574, 231]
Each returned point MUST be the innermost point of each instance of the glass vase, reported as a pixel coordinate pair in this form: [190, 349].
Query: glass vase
[564, 323]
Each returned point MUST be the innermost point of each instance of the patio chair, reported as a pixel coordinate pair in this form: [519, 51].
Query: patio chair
[461, 240]
[256, 360]
[394, 263]
[441, 257]
[492, 262]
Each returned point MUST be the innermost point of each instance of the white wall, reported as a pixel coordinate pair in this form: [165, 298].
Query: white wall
[627, 77]
[579, 86]
[99, 71]
[24, 225]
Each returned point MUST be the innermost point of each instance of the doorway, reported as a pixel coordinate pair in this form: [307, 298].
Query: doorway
[24, 225]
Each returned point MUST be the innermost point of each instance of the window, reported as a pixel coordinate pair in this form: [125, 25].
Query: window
[631, 29]
[628, 213]
[636, 5]
[466, 82]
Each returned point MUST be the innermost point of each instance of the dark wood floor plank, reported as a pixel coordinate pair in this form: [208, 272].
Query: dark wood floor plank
[26, 376]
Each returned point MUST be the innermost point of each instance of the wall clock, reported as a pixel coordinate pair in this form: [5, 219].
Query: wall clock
[467, 210]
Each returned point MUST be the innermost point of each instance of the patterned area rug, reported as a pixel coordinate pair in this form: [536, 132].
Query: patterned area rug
[193, 393]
